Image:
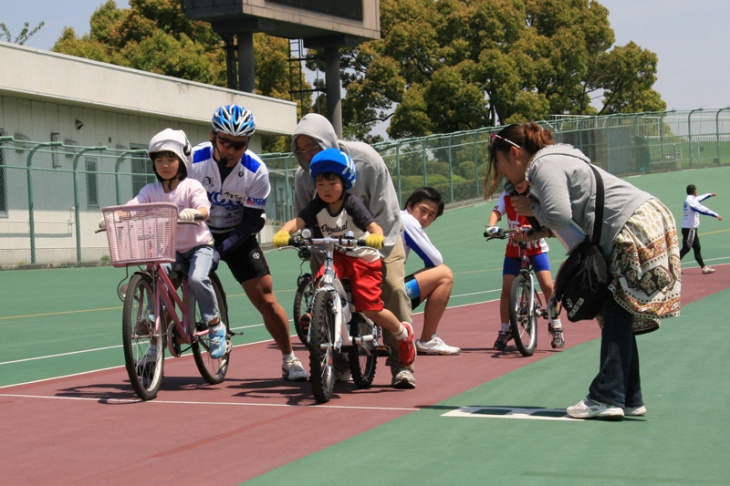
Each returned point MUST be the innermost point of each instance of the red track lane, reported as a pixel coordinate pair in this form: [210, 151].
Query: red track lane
[84, 429]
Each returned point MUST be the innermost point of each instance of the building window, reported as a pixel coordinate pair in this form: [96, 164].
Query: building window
[142, 173]
[92, 184]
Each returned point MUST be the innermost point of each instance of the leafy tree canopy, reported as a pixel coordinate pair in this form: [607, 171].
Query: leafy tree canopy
[448, 65]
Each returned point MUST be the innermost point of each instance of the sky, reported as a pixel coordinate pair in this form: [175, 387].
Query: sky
[691, 39]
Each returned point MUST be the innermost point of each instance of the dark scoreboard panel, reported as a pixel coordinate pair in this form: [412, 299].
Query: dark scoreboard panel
[346, 9]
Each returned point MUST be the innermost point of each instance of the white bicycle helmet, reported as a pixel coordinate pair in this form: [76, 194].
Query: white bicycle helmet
[234, 120]
[175, 141]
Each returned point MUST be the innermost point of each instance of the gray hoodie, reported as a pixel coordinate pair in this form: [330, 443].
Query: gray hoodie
[373, 185]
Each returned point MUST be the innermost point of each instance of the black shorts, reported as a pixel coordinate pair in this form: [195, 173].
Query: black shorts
[247, 261]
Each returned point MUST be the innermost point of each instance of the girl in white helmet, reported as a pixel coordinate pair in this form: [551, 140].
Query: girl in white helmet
[170, 153]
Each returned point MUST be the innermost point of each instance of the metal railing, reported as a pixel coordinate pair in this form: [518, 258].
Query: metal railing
[51, 194]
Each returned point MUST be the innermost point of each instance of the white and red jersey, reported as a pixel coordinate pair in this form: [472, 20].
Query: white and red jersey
[246, 186]
[504, 208]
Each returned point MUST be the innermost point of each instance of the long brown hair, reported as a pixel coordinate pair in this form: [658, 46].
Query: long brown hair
[529, 137]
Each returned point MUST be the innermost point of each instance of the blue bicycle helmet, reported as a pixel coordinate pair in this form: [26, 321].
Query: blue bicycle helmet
[333, 160]
[234, 120]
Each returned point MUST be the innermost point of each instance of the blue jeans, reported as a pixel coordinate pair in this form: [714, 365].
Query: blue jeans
[618, 382]
[200, 261]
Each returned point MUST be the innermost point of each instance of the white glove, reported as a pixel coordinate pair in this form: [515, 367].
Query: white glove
[188, 215]
[102, 223]
[493, 230]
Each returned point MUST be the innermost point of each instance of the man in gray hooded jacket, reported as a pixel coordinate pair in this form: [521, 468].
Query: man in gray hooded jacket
[374, 186]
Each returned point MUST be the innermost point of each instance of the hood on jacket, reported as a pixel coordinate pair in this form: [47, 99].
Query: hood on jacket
[317, 127]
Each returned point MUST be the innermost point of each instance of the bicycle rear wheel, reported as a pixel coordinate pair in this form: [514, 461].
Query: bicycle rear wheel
[144, 349]
[321, 351]
[302, 302]
[363, 360]
[211, 369]
[523, 316]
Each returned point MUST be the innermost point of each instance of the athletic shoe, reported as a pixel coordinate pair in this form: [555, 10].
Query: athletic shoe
[587, 409]
[706, 270]
[435, 346]
[149, 358]
[638, 411]
[343, 376]
[406, 349]
[558, 341]
[217, 336]
[502, 339]
[403, 378]
[293, 370]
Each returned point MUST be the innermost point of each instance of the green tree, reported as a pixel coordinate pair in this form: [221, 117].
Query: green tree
[448, 65]
[156, 36]
[25, 33]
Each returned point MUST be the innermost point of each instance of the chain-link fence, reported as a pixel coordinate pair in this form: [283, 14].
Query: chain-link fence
[51, 194]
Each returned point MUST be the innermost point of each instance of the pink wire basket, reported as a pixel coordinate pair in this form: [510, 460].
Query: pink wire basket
[141, 233]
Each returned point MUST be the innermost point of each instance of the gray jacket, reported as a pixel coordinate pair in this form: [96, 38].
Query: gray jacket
[373, 185]
[563, 183]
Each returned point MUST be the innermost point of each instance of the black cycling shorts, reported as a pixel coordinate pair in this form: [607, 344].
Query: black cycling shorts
[246, 261]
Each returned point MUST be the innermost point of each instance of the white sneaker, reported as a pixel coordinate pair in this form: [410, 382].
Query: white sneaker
[587, 408]
[293, 370]
[639, 411]
[149, 358]
[706, 270]
[435, 346]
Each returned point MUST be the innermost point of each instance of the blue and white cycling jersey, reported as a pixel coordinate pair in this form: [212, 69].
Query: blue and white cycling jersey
[693, 209]
[246, 186]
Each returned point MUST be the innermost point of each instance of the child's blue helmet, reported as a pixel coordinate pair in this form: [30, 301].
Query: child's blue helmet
[333, 160]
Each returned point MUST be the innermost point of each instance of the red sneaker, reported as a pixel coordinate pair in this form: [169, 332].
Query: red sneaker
[406, 348]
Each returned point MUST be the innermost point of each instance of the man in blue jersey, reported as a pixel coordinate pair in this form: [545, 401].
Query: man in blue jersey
[434, 282]
[237, 183]
[691, 223]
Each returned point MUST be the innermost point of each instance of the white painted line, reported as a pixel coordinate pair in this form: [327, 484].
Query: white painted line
[187, 402]
[523, 413]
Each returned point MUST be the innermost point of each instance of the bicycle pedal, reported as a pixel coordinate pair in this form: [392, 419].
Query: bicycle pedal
[382, 350]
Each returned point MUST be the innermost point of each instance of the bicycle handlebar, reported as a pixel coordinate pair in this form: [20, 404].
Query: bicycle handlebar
[341, 241]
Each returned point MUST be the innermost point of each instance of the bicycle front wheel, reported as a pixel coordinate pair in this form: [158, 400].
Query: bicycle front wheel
[302, 302]
[523, 315]
[363, 360]
[211, 369]
[321, 351]
[144, 349]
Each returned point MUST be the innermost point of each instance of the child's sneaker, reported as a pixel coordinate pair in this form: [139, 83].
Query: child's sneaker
[502, 340]
[217, 336]
[406, 349]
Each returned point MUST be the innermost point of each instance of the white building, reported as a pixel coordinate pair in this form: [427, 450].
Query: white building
[72, 131]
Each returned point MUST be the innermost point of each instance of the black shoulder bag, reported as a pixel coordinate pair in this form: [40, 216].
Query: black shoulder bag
[582, 281]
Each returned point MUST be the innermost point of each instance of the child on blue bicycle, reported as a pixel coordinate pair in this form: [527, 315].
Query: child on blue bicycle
[170, 153]
[334, 212]
[537, 252]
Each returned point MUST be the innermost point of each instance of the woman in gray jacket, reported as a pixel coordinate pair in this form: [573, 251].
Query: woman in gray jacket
[638, 238]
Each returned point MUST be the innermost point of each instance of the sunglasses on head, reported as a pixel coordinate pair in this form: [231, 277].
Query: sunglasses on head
[500, 137]
[230, 144]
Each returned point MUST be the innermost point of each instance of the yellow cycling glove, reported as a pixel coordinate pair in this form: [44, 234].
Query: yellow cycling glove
[375, 241]
[281, 238]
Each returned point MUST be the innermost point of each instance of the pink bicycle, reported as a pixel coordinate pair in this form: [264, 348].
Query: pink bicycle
[159, 309]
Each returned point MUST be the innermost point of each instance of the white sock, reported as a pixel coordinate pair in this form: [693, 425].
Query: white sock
[504, 328]
[402, 333]
[557, 325]
[287, 357]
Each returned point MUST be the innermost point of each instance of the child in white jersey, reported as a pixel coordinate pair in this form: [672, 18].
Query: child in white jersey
[170, 153]
[333, 212]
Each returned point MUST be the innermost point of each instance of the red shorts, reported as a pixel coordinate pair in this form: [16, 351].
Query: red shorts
[365, 280]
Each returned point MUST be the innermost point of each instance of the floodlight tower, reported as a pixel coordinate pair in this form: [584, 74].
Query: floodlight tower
[326, 24]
